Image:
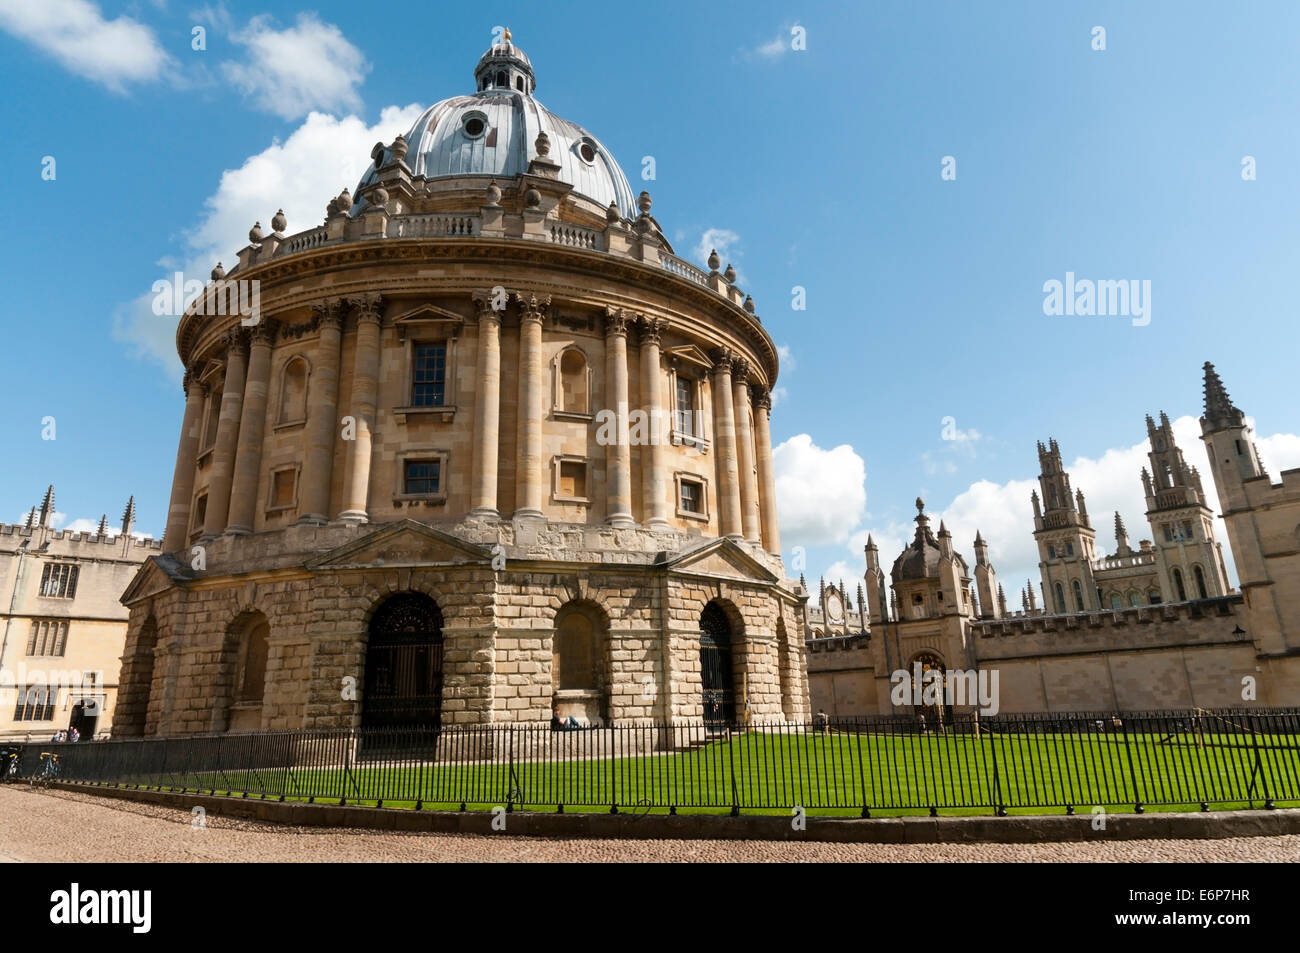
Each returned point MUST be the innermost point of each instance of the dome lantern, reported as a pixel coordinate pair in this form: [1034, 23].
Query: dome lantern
[505, 66]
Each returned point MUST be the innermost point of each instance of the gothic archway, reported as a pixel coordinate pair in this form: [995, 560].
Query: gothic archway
[403, 686]
[933, 712]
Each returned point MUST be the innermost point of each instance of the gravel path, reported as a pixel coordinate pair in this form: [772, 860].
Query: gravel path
[65, 826]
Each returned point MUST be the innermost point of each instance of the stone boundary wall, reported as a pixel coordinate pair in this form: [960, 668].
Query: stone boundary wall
[1020, 829]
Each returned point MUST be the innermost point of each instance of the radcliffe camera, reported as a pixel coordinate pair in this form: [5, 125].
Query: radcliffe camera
[610, 434]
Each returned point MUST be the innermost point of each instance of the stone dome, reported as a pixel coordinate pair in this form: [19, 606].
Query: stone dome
[493, 133]
[920, 560]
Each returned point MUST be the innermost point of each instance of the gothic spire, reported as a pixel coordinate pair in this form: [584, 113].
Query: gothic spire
[1219, 410]
[128, 517]
[47, 507]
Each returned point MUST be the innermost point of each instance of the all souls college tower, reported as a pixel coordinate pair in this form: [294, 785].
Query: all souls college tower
[1153, 627]
[489, 449]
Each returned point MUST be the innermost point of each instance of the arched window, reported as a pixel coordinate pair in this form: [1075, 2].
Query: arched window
[501, 78]
[573, 396]
[1200, 582]
[1178, 585]
[1060, 598]
[1135, 598]
[1078, 596]
[1154, 597]
[519, 83]
[1116, 601]
[252, 663]
[293, 392]
[574, 656]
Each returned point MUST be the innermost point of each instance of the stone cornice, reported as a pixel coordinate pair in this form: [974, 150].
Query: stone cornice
[559, 261]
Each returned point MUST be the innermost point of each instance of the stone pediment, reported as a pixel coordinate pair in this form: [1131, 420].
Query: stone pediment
[407, 543]
[427, 317]
[157, 574]
[719, 557]
[690, 354]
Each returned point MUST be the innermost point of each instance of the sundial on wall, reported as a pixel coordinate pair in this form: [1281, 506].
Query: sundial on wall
[834, 608]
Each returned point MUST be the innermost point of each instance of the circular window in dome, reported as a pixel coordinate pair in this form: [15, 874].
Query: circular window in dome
[474, 126]
[587, 151]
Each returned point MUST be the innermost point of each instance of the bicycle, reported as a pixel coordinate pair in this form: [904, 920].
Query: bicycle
[48, 771]
[9, 769]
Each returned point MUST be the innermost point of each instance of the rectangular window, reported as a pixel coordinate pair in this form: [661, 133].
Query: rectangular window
[200, 514]
[422, 477]
[1169, 533]
[282, 488]
[35, 703]
[48, 637]
[428, 388]
[573, 479]
[59, 581]
[685, 406]
[692, 496]
[1187, 530]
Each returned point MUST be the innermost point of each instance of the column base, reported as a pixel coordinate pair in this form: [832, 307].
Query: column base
[620, 521]
[312, 519]
[354, 516]
[528, 513]
[238, 531]
[658, 523]
[485, 513]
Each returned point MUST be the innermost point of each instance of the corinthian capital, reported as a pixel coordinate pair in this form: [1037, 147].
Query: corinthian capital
[652, 329]
[739, 370]
[761, 397]
[327, 312]
[367, 307]
[723, 357]
[617, 321]
[531, 307]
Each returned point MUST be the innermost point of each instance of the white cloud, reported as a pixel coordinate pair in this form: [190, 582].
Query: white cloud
[779, 395]
[293, 71]
[74, 32]
[300, 175]
[786, 357]
[727, 244]
[821, 494]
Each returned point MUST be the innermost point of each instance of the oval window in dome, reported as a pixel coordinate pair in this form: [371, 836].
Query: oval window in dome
[474, 126]
[587, 151]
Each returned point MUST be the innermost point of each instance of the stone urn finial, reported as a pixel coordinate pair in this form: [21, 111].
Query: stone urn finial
[345, 200]
[714, 260]
[398, 149]
[749, 304]
[255, 233]
[493, 194]
[730, 274]
[532, 198]
[543, 145]
[332, 208]
[643, 203]
[218, 273]
[278, 222]
[612, 215]
[379, 197]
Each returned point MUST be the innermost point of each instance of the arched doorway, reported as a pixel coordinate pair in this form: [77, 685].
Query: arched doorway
[931, 675]
[717, 682]
[403, 687]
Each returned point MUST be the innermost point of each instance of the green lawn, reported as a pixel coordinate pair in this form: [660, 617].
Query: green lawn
[834, 774]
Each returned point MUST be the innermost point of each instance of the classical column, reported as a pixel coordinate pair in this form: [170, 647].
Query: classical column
[252, 428]
[724, 417]
[766, 476]
[487, 408]
[178, 510]
[365, 398]
[223, 451]
[749, 517]
[530, 475]
[618, 453]
[653, 479]
[322, 414]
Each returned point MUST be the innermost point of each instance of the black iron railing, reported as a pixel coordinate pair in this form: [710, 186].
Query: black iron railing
[1127, 761]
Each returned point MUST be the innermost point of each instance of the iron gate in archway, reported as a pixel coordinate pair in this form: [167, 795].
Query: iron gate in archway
[717, 682]
[403, 687]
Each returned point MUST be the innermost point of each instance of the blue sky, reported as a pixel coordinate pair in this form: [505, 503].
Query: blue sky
[817, 168]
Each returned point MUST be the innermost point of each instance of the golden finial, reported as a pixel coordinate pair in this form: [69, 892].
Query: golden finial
[507, 34]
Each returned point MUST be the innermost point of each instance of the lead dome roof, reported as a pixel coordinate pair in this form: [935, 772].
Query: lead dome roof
[445, 142]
